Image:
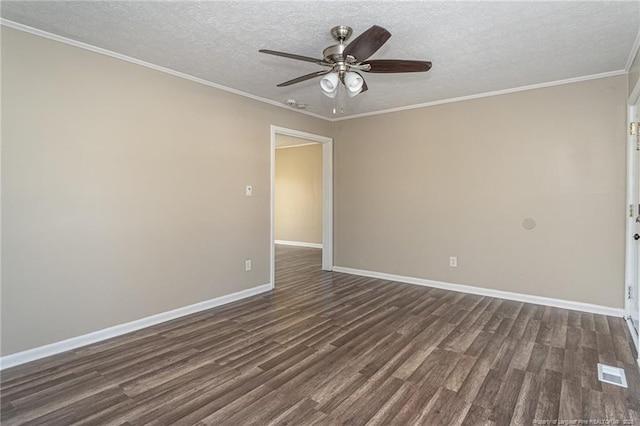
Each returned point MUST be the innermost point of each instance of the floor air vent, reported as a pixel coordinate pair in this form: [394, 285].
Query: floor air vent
[612, 375]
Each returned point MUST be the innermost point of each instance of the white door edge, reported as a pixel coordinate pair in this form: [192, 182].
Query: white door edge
[631, 258]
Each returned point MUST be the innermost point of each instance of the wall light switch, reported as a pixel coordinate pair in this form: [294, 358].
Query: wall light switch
[248, 191]
[247, 265]
[453, 262]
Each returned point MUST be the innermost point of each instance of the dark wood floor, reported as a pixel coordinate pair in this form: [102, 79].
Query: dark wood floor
[329, 348]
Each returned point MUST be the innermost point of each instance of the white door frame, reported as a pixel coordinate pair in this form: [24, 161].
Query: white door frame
[327, 194]
[632, 180]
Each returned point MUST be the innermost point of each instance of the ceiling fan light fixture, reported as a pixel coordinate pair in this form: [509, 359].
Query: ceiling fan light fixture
[353, 94]
[329, 84]
[353, 82]
[341, 58]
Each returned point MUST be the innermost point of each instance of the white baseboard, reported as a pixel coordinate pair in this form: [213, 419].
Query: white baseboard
[12, 360]
[298, 244]
[538, 300]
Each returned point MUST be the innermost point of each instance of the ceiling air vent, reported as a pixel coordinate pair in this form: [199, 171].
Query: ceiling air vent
[612, 375]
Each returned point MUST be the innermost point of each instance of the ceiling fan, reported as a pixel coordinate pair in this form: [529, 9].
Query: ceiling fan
[346, 61]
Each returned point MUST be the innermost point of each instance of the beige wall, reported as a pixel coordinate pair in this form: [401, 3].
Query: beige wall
[634, 72]
[416, 187]
[123, 191]
[298, 194]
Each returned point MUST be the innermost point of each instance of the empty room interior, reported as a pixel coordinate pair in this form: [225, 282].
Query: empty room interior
[320, 213]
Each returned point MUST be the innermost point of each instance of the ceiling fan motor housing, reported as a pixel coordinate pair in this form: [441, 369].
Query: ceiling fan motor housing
[334, 54]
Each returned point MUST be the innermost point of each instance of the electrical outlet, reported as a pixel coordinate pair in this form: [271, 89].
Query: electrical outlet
[453, 262]
[248, 191]
[247, 265]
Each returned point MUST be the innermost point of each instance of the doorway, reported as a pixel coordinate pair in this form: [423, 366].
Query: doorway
[327, 193]
[632, 273]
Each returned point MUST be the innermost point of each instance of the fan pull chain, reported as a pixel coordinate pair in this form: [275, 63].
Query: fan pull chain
[338, 101]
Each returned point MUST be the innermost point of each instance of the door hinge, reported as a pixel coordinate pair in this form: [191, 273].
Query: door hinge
[633, 128]
[629, 293]
[631, 210]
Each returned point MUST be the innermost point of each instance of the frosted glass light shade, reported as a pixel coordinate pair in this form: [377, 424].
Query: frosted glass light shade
[353, 82]
[329, 84]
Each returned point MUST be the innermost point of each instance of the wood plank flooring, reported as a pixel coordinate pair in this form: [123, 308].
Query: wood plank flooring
[328, 349]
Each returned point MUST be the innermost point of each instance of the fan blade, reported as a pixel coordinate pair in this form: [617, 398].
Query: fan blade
[367, 43]
[397, 65]
[290, 56]
[304, 77]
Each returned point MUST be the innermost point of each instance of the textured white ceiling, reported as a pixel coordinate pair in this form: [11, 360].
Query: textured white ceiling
[475, 47]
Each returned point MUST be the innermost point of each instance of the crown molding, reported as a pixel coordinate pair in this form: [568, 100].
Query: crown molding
[487, 94]
[99, 50]
[633, 53]
[106, 52]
